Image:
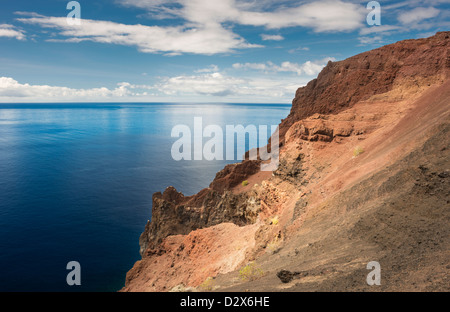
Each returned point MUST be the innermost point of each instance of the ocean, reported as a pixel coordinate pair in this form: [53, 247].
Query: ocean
[76, 184]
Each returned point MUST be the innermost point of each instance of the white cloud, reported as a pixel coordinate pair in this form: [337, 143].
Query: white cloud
[308, 68]
[10, 89]
[417, 15]
[274, 89]
[265, 37]
[11, 31]
[149, 39]
[207, 84]
[207, 27]
[411, 17]
[322, 16]
[202, 85]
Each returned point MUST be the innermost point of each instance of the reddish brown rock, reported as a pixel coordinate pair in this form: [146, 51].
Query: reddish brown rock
[342, 84]
[234, 174]
[363, 176]
[174, 214]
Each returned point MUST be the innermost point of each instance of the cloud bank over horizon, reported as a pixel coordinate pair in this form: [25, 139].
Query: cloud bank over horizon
[196, 50]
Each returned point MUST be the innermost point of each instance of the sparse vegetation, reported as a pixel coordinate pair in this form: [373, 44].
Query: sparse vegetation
[358, 151]
[244, 183]
[250, 272]
[274, 246]
[182, 288]
[274, 221]
[207, 285]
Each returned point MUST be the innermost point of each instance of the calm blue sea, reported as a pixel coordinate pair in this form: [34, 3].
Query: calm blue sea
[76, 184]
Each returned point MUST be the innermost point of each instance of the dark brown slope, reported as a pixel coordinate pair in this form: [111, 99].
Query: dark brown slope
[397, 215]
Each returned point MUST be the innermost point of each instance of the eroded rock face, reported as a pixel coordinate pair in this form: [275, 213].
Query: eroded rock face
[290, 169]
[234, 174]
[342, 84]
[174, 214]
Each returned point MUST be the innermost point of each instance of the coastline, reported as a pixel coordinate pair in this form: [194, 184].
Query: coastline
[350, 133]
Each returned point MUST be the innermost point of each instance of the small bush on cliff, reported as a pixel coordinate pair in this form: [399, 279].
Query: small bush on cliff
[244, 183]
[207, 285]
[274, 221]
[358, 151]
[250, 272]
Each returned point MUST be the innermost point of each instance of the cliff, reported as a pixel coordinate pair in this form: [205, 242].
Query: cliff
[340, 85]
[363, 176]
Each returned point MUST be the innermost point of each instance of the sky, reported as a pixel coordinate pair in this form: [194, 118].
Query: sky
[231, 51]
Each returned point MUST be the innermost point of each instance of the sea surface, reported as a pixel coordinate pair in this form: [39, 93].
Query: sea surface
[76, 184]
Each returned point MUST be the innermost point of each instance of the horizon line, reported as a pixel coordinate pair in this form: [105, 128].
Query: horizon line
[198, 103]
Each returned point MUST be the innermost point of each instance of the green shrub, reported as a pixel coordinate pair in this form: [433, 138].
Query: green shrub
[244, 183]
[250, 272]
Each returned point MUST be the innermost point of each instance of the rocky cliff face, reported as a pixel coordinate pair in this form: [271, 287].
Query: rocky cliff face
[174, 214]
[342, 84]
[363, 177]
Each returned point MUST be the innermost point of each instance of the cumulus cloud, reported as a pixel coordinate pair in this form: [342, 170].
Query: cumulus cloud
[202, 86]
[224, 86]
[417, 15]
[308, 68]
[207, 84]
[11, 88]
[11, 31]
[218, 84]
[150, 39]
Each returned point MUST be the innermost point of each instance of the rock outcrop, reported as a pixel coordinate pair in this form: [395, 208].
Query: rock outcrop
[174, 214]
[363, 176]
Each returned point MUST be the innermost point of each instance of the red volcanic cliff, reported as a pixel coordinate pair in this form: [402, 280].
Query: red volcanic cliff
[363, 176]
[342, 84]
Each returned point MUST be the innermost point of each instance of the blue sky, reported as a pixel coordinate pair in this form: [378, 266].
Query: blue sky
[191, 50]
